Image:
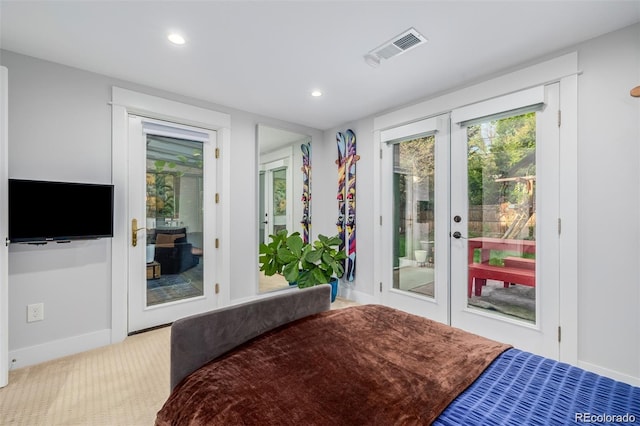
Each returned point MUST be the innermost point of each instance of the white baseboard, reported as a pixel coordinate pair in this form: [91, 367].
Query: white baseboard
[356, 296]
[58, 348]
[616, 375]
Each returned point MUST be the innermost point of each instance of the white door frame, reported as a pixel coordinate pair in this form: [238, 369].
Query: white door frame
[436, 308]
[279, 160]
[541, 337]
[4, 223]
[125, 102]
[563, 69]
[141, 316]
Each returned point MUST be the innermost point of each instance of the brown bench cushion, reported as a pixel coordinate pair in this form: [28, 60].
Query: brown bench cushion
[167, 240]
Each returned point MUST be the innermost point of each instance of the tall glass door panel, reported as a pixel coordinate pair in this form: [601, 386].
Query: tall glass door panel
[174, 205]
[502, 216]
[279, 199]
[414, 219]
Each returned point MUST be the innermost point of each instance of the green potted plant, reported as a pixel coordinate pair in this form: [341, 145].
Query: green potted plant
[305, 265]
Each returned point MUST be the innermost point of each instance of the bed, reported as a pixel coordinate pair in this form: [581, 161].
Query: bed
[290, 360]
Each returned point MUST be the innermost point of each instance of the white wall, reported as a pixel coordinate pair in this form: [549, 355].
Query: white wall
[608, 208]
[60, 129]
[608, 203]
[325, 203]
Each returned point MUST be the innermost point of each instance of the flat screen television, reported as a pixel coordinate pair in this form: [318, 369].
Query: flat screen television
[42, 211]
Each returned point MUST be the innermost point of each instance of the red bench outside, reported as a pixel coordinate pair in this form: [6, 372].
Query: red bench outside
[517, 270]
[480, 272]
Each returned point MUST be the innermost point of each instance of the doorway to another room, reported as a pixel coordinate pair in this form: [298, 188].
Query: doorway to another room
[185, 131]
[171, 189]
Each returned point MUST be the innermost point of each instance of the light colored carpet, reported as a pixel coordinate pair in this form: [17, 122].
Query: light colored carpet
[121, 384]
[124, 384]
[270, 283]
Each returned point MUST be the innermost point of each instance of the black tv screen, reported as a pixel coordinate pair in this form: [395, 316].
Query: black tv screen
[41, 211]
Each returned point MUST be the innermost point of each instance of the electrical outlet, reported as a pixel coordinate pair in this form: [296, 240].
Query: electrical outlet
[35, 312]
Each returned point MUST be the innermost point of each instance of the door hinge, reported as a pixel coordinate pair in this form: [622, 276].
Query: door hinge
[559, 118]
[559, 226]
[217, 198]
[381, 153]
[217, 288]
[380, 286]
[217, 152]
[380, 220]
[6, 241]
[559, 334]
[217, 243]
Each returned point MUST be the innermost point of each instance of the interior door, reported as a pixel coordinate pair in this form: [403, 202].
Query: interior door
[172, 261]
[415, 162]
[276, 196]
[504, 219]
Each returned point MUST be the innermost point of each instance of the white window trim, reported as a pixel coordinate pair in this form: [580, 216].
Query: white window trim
[513, 101]
[125, 102]
[409, 131]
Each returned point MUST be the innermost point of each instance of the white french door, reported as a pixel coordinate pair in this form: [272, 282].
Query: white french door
[473, 202]
[504, 219]
[415, 163]
[171, 197]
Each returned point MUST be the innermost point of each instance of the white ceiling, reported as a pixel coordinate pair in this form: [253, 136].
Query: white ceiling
[267, 56]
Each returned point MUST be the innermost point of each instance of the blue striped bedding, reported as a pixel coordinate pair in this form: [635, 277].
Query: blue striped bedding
[520, 388]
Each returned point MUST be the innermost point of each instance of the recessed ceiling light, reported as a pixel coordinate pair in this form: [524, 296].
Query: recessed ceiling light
[316, 93]
[176, 38]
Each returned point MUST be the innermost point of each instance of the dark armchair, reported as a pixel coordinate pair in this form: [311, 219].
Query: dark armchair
[173, 252]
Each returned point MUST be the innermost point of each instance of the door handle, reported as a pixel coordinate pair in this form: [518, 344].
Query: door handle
[457, 235]
[134, 232]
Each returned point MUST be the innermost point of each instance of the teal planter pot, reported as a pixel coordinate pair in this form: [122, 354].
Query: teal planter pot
[334, 289]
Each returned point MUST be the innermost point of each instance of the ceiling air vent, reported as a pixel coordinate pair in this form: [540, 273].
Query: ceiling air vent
[394, 47]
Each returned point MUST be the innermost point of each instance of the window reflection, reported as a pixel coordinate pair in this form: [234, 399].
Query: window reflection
[414, 221]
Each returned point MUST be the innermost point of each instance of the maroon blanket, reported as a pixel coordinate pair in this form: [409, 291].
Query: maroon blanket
[365, 365]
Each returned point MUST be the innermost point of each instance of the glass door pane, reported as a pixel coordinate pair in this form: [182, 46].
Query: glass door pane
[273, 190]
[501, 179]
[279, 199]
[414, 219]
[174, 206]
